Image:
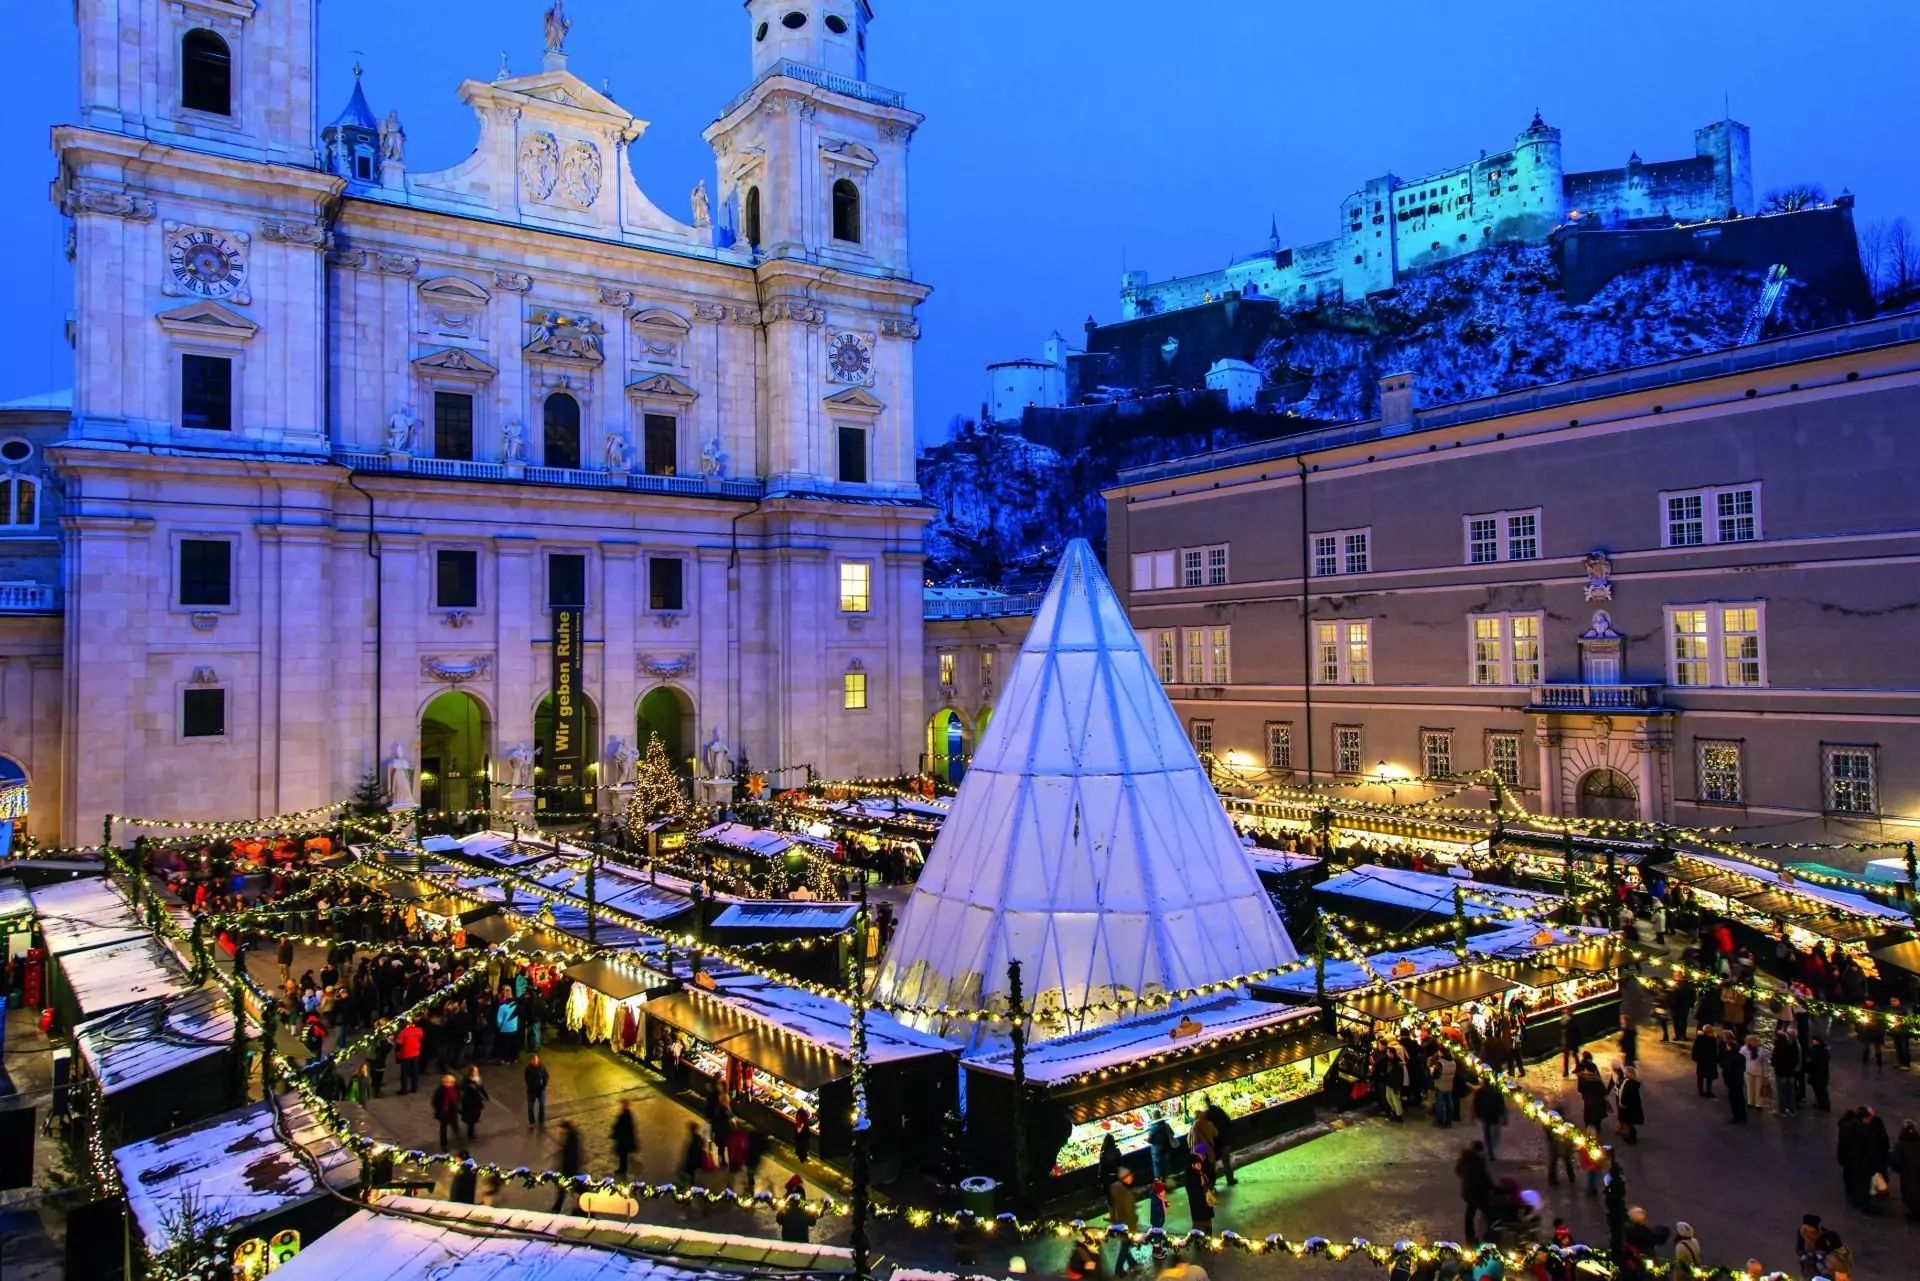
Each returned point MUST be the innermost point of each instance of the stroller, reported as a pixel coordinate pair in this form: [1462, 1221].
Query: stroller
[1514, 1215]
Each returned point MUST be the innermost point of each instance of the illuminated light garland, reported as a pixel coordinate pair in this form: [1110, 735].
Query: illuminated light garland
[277, 823]
[1855, 1014]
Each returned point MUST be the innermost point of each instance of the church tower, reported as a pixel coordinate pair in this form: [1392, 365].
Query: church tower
[351, 144]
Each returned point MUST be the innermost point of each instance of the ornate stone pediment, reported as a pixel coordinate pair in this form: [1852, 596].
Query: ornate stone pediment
[562, 336]
[204, 319]
[456, 671]
[843, 151]
[662, 385]
[456, 360]
[665, 666]
[451, 289]
[857, 399]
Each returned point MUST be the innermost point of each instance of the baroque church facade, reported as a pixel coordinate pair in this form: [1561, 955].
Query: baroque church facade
[496, 469]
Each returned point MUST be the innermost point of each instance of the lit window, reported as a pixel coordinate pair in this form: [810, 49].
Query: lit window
[946, 669]
[856, 586]
[986, 667]
[1436, 753]
[853, 688]
[1279, 745]
[1346, 749]
[1163, 656]
[1851, 780]
[1718, 765]
[1497, 536]
[1716, 645]
[1503, 756]
[1730, 514]
[1197, 656]
[1203, 739]
[19, 502]
[1506, 649]
[1343, 653]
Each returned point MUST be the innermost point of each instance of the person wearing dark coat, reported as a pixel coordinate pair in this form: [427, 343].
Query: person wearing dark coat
[1733, 1072]
[1851, 1152]
[1633, 1113]
[1109, 1161]
[1819, 1069]
[626, 1138]
[1878, 1143]
[795, 1219]
[473, 1100]
[1199, 1195]
[466, 1180]
[1706, 1061]
[1906, 1164]
[571, 1162]
[1786, 1072]
[1476, 1188]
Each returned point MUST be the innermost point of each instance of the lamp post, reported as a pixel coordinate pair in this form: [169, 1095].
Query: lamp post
[862, 1154]
[1384, 777]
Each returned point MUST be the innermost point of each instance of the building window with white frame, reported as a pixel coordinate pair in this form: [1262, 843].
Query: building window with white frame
[1717, 764]
[1164, 656]
[1498, 536]
[1152, 571]
[1347, 753]
[856, 586]
[1193, 567]
[1852, 778]
[1217, 565]
[1436, 753]
[1208, 655]
[1203, 739]
[1279, 745]
[1342, 551]
[1506, 649]
[1726, 514]
[853, 691]
[946, 670]
[1718, 645]
[1343, 653]
[1503, 756]
[986, 667]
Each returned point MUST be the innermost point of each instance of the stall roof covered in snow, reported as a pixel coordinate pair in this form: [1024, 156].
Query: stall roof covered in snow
[1839, 901]
[536, 1246]
[104, 979]
[156, 1036]
[759, 840]
[14, 900]
[92, 912]
[1425, 892]
[620, 889]
[500, 848]
[1279, 862]
[1086, 840]
[1515, 942]
[786, 914]
[237, 1164]
[1118, 1044]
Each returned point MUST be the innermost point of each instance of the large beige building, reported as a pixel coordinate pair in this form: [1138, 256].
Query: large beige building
[1685, 592]
[352, 443]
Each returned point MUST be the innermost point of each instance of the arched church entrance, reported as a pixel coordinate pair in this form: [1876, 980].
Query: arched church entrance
[552, 797]
[1607, 793]
[667, 712]
[948, 746]
[456, 739]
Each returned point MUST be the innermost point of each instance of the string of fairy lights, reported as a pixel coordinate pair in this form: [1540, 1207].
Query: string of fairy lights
[1858, 1015]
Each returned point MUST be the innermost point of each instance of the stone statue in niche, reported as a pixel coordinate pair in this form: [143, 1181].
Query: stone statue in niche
[719, 760]
[513, 442]
[400, 429]
[621, 763]
[713, 458]
[619, 453]
[400, 780]
[520, 767]
[1599, 575]
[393, 139]
[702, 209]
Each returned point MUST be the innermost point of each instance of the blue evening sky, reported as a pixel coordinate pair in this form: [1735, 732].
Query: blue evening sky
[1065, 138]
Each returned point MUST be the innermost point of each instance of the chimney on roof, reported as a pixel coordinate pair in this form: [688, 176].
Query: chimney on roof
[1396, 404]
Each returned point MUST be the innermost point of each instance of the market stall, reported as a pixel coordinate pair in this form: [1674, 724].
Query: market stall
[817, 931]
[163, 1062]
[1397, 898]
[84, 985]
[606, 1002]
[16, 921]
[759, 860]
[89, 912]
[1264, 1063]
[1763, 903]
[785, 1052]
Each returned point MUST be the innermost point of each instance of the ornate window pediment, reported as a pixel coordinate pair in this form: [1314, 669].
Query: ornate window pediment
[455, 360]
[659, 338]
[847, 152]
[664, 386]
[207, 320]
[450, 308]
[856, 400]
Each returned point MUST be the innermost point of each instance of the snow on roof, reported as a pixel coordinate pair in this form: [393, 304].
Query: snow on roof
[621, 889]
[1279, 862]
[55, 401]
[1511, 943]
[823, 1020]
[89, 912]
[104, 979]
[1839, 900]
[14, 900]
[1086, 840]
[786, 915]
[754, 840]
[1403, 887]
[236, 1162]
[1118, 1044]
[537, 1246]
[156, 1036]
[499, 847]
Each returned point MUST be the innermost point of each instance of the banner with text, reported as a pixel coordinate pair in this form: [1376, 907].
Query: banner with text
[567, 753]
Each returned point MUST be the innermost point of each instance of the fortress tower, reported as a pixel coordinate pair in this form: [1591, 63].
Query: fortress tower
[1537, 195]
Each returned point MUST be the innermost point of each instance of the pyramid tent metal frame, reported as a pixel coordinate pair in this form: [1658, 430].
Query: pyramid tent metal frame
[1086, 841]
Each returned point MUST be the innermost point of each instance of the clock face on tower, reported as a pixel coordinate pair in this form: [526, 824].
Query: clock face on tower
[205, 264]
[850, 358]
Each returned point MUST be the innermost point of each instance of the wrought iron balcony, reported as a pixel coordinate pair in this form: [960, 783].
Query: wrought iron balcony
[938, 608]
[1596, 698]
[27, 598]
[561, 477]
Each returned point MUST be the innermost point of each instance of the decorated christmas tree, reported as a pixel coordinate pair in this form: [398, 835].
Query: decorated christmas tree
[657, 790]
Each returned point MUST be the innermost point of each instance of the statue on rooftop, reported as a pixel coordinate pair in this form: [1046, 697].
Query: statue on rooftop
[557, 27]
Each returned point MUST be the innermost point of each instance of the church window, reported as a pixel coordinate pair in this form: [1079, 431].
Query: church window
[846, 211]
[853, 455]
[363, 164]
[794, 20]
[456, 579]
[561, 420]
[666, 584]
[206, 572]
[19, 502]
[751, 221]
[856, 586]
[836, 24]
[206, 392]
[206, 73]
[203, 713]
[853, 691]
[661, 444]
[453, 425]
[761, 34]
[566, 580]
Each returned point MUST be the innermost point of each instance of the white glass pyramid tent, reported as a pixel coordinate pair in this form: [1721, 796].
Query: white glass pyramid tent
[1086, 840]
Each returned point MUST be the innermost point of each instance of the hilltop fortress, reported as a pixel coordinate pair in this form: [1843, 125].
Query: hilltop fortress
[1390, 227]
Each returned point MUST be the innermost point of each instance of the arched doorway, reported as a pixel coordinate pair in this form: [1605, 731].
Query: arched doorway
[667, 712]
[556, 801]
[948, 746]
[1607, 793]
[560, 422]
[13, 801]
[456, 740]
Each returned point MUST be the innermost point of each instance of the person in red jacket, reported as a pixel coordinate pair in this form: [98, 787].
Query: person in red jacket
[406, 1048]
